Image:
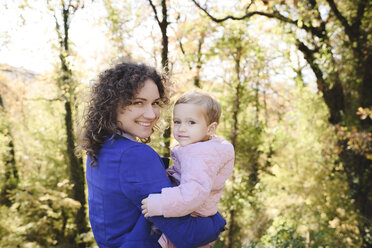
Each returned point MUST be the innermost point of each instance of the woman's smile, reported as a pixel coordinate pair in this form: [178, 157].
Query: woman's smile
[144, 124]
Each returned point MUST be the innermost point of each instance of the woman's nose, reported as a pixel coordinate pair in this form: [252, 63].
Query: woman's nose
[150, 112]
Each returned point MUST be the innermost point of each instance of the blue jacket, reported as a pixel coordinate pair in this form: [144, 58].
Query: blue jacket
[127, 172]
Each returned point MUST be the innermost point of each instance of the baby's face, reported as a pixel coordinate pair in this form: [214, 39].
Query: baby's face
[190, 125]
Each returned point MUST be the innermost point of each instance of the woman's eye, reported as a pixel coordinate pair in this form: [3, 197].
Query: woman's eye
[157, 103]
[137, 103]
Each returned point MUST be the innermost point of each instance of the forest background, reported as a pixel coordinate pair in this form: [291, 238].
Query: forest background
[293, 77]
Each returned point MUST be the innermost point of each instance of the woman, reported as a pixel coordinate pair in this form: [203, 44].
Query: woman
[124, 107]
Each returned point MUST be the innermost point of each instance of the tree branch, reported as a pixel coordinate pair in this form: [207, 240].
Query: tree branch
[353, 31]
[45, 99]
[164, 12]
[340, 17]
[248, 6]
[360, 14]
[184, 53]
[276, 15]
[309, 57]
[155, 12]
[333, 96]
[218, 20]
[58, 29]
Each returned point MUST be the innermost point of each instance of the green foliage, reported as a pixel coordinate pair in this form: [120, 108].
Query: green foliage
[281, 236]
[46, 214]
[306, 185]
[289, 187]
[118, 22]
[8, 174]
[241, 126]
[42, 213]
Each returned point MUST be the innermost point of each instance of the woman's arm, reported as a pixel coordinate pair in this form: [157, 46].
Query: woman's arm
[142, 173]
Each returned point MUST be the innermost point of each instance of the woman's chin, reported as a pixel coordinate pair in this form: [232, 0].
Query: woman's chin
[144, 136]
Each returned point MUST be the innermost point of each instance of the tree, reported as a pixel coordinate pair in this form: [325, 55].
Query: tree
[41, 211]
[163, 25]
[241, 108]
[306, 189]
[118, 17]
[11, 178]
[191, 37]
[63, 13]
[344, 86]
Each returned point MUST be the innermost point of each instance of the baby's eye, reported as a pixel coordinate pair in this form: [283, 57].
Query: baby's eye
[192, 122]
[177, 122]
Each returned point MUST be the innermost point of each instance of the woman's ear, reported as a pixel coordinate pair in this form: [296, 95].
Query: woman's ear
[212, 128]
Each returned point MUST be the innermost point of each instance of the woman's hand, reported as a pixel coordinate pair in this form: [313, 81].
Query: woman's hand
[145, 208]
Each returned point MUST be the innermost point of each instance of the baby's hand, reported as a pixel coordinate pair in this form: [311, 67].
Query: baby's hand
[144, 208]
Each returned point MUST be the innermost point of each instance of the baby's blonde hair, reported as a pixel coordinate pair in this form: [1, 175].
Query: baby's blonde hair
[211, 106]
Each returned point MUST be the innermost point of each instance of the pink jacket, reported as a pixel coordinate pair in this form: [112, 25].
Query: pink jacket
[202, 169]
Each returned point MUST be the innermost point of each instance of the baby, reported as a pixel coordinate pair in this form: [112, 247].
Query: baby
[202, 162]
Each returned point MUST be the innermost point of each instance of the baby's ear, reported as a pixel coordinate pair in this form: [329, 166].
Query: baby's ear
[212, 128]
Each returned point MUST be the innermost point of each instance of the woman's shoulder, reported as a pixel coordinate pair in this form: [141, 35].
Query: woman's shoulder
[121, 145]
[119, 141]
[135, 148]
[141, 149]
[139, 162]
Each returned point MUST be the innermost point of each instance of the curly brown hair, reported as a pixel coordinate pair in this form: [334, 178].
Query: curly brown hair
[117, 85]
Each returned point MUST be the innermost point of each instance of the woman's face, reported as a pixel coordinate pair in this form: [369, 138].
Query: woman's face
[139, 118]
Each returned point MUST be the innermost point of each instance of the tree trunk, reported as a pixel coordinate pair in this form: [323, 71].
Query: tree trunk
[199, 61]
[232, 230]
[66, 84]
[257, 103]
[358, 171]
[76, 173]
[163, 24]
[357, 167]
[333, 96]
[11, 172]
